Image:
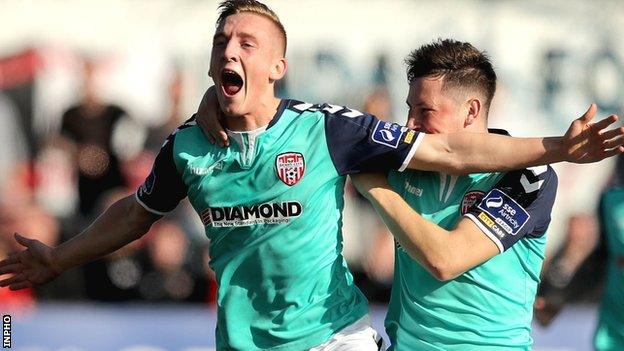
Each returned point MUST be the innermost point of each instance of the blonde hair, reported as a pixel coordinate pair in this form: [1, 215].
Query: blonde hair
[233, 7]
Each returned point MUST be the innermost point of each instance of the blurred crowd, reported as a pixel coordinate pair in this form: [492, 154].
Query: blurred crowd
[99, 154]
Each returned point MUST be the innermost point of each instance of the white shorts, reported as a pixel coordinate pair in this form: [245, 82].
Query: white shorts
[359, 336]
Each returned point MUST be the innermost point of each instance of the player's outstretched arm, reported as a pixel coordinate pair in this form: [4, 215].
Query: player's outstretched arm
[122, 223]
[445, 254]
[462, 153]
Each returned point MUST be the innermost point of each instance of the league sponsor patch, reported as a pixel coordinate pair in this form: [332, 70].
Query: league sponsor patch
[471, 198]
[504, 211]
[290, 167]
[388, 134]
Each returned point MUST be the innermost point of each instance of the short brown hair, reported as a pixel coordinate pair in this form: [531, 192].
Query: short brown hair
[232, 7]
[461, 65]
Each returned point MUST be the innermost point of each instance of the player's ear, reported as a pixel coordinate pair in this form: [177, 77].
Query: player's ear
[278, 69]
[473, 110]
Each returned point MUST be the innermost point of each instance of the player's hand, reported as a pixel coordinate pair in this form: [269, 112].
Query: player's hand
[209, 118]
[34, 265]
[545, 310]
[586, 142]
[365, 182]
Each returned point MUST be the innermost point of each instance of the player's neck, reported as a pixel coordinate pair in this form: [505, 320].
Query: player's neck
[259, 117]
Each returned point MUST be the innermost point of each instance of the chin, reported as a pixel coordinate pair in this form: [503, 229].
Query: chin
[229, 106]
[232, 109]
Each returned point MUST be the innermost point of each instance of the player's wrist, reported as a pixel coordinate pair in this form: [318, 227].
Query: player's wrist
[558, 149]
[55, 262]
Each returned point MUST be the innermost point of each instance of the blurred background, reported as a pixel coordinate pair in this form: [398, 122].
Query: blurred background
[89, 90]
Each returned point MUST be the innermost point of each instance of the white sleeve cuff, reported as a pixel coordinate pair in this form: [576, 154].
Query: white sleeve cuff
[147, 208]
[412, 151]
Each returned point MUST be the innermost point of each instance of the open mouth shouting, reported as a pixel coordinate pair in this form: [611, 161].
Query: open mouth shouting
[231, 83]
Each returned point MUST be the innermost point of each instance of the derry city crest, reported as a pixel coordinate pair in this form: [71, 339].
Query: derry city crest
[290, 167]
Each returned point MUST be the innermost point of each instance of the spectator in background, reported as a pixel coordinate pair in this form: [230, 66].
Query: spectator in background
[379, 103]
[166, 265]
[12, 141]
[556, 287]
[562, 282]
[170, 276]
[174, 117]
[117, 276]
[89, 125]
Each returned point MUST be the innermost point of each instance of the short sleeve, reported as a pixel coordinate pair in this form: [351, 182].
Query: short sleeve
[360, 142]
[163, 188]
[518, 205]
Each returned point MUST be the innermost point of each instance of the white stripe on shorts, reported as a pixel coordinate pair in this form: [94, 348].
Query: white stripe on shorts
[359, 336]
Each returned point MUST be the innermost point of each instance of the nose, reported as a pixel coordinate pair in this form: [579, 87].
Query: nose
[413, 123]
[230, 54]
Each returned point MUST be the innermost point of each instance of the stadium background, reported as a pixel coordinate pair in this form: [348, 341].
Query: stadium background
[151, 57]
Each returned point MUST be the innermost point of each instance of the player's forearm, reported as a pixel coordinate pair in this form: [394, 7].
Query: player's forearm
[122, 223]
[463, 153]
[424, 241]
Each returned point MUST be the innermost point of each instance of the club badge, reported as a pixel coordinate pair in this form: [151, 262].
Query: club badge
[290, 167]
[471, 198]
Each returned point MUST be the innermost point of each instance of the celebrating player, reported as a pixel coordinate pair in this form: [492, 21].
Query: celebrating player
[468, 282]
[271, 202]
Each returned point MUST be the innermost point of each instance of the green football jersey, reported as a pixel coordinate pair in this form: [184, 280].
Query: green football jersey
[271, 204]
[610, 331]
[490, 306]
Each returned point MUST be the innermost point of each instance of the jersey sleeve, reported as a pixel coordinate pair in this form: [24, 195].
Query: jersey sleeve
[163, 188]
[518, 205]
[360, 142]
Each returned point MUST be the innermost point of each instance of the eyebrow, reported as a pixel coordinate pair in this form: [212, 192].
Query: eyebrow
[247, 36]
[419, 104]
[241, 34]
